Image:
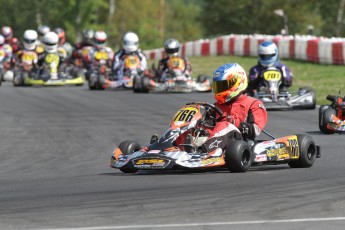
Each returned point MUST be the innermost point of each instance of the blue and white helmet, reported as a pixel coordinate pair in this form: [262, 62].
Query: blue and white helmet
[268, 54]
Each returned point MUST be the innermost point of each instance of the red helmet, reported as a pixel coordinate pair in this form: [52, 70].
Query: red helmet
[7, 32]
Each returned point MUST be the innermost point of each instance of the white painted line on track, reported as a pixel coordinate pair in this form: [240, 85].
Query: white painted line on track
[199, 224]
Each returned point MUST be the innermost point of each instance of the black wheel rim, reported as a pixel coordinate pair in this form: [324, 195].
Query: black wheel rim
[245, 158]
[311, 152]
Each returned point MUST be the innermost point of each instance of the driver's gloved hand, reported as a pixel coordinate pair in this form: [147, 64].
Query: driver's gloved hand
[247, 130]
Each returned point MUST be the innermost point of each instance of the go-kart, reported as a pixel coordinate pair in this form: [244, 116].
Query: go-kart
[175, 80]
[331, 117]
[50, 73]
[275, 97]
[193, 120]
[102, 78]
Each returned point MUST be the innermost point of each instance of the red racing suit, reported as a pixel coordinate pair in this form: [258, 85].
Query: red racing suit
[247, 114]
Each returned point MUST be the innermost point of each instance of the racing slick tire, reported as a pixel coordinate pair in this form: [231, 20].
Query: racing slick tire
[136, 85]
[238, 156]
[18, 79]
[324, 116]
[129, 147]
[144, 85]
[95, 82]
[2, 75]
[307, 152]
[322, 121]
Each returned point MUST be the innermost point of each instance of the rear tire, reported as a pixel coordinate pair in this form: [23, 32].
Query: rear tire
[238, 156]
[307, 151]
[127, 148]
[2, 74]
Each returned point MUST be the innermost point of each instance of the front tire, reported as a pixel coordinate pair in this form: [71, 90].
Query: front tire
[127, 148]
[238, 156]
[141, 84]
[324, 119]
[307, 151]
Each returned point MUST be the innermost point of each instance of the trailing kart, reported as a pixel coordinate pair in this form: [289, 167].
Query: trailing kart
[175, 80]
[49, 74]
[331, 117]
[102, 78]
[274, 98]
[192, 120]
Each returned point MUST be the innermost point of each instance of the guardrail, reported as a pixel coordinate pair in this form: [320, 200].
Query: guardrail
[299, 47]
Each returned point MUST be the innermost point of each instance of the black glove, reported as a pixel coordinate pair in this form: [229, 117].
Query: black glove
[247, 130]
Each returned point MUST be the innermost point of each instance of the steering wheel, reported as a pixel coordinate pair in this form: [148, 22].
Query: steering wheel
[210, 107]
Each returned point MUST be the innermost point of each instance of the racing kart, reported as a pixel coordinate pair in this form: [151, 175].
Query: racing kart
[192, 120]
[49, 74]
[275, 98]
[6, 72]
[331, 117]
[102, 78]
[175, 80]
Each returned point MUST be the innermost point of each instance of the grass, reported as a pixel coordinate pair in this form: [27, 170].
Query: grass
[324, 79]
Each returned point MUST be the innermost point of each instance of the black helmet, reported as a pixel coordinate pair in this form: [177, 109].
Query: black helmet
[171, 46]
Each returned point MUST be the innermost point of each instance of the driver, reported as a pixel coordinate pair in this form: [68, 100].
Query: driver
[171, 47]
[268, 56]
[243, 117]
[130, 43]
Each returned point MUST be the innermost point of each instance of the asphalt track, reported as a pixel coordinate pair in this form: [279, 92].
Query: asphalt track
[55, 150]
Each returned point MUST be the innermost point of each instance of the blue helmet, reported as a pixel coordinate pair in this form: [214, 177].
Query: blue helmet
[268, 54]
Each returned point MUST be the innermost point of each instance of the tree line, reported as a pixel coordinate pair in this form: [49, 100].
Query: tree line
[187, 20]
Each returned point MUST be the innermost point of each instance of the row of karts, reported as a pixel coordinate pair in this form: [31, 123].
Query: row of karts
[175, 80]
[100, 77]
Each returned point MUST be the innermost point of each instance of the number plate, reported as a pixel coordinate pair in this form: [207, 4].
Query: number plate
[272, 75]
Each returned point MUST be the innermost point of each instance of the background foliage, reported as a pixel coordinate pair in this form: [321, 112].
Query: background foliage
[186, 20]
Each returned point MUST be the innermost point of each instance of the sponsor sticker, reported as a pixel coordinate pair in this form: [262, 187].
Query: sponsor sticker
[211, 160]
[260, 158]
[215, 144]
[154, 151]
[149, 163]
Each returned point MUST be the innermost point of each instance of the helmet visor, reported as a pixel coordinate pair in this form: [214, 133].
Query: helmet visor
[49, 43]
[130, 43]
[29, 41]
[266, 56]
[172, 51]
[100, 42]
[221, 86]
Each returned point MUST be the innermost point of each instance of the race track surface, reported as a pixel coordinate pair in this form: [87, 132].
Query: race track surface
[55, 150]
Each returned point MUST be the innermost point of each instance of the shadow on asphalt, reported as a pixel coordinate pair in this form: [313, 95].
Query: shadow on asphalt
[257, 168]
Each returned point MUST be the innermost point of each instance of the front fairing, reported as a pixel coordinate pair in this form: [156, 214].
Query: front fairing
[336, 124]
[164, 153]
[272, 78]
[185, 119]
